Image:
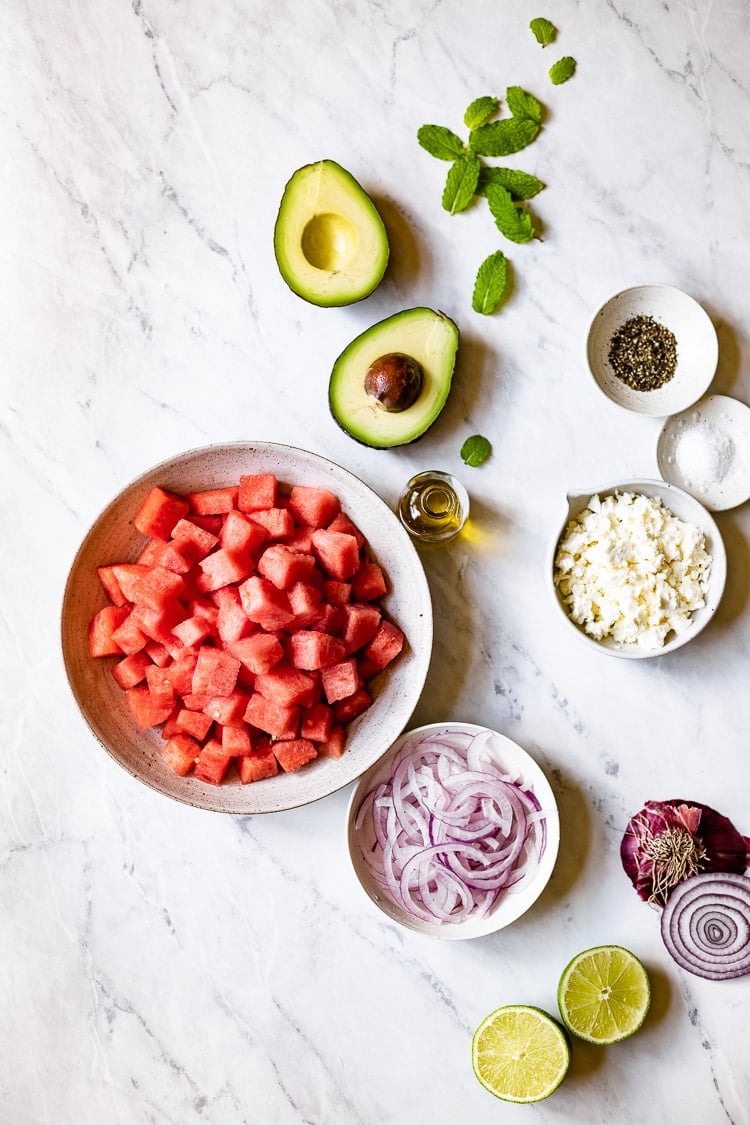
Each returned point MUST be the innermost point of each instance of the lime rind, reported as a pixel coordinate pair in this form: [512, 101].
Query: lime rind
[604, 994]
[520, 1053]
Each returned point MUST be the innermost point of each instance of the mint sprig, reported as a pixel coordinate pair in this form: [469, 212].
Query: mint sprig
[490, 284]
[504, 137]
[562, 70]
[521, 185]
[480, 111]
[511, 220]
[475, 450]
[522, 104]
[440, 142]
[544, 31]
[461, 183]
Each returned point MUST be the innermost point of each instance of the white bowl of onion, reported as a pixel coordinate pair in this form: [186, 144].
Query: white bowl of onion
[454, 832]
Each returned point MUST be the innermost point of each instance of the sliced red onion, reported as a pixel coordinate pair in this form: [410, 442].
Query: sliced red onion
[452, 832]
[706, 925]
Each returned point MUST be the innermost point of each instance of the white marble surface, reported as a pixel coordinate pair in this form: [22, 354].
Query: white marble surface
[159, 964]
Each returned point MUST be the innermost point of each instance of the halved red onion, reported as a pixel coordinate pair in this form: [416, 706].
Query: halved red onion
[706, 925]
[452, 831]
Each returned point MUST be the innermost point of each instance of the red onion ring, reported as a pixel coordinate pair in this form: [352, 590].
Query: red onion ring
[705, 925]
[452, 831]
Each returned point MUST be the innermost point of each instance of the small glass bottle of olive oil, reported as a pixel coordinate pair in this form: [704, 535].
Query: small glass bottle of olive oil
[433, 507]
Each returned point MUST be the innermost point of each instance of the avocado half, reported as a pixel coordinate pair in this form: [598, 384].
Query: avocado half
[330, 242]
[430, 338]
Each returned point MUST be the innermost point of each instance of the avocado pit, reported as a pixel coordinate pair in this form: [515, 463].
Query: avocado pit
[395, 381]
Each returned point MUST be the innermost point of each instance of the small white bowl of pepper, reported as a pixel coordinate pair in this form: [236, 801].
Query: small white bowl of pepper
[652, 349]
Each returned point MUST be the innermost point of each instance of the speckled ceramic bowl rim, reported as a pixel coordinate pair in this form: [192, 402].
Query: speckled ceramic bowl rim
[400, 685]
[685, 507]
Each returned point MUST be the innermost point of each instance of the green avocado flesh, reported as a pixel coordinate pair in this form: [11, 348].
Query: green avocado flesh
[431, 338]
[330, 242]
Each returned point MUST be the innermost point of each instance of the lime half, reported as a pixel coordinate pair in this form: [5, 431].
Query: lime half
[604, 994]
[520, 1054]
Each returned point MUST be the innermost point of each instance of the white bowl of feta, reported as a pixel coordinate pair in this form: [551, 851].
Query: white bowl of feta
[637, 568]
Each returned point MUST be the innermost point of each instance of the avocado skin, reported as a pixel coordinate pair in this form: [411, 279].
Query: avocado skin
[402, 428]
[344, 282]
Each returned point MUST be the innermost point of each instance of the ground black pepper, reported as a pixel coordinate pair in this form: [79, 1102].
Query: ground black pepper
[643, 353]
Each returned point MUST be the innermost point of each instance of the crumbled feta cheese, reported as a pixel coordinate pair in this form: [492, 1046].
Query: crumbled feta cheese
[629, 569]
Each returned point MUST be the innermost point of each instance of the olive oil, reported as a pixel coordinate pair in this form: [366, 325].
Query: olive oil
[433, 507]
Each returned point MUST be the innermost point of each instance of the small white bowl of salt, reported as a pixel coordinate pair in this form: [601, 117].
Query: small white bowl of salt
[705, 450]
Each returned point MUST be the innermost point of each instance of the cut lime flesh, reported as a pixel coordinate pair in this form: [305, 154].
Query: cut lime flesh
[520, 1053]
[604, 994]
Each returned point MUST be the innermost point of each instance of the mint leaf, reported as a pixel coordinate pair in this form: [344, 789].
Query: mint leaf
[480, 111]
[461, 183]
[475, 450]
[492, 278]
[513, 222]
[562, 70]
[501, 138]
[544, 31]
[522, 104]
[521, 185]
[440, 142]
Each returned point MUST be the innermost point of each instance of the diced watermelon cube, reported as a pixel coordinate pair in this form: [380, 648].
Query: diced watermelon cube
[129, 636]
[266, 605]
[359, 625]
[369, 582]
[329, 620]
[212, 763]
[278, 522]
[180, 671]
[345, 710]
[304, 600]
[215, 672]
[337, 552]
[273, 718]
[195, 540]
[158, 653]
[258, 653]
[337, 593]
[295, 753]
[311, 649]
[160, 685]
[222, 567]
[159, 512]
[195, 723]
[334, 745]
[128, 577]
[257, 491]
[340, 680]
[158, 587]
[102, 628]
[192, 630]
[169, 727]
[180, 753]
[284, 567]
[315, 507]
[285, 685]
[382, 649]
[301, 540]
[213, 524]
[236, 741]
[343, 523]
[145, 709]
[158, 624]
[228, 710]
[131, 670]
[232, 623]
[110, 585]
[239, 534]
[317, 722]
[257, 766]
[213, 501]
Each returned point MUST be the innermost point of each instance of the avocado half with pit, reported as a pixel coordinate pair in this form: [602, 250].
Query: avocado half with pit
[390, 384]
[330, 242]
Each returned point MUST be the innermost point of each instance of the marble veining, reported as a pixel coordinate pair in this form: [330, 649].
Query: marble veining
[163, 965]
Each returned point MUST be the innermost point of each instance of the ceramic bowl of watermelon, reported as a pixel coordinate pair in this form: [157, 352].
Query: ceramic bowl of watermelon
[246, 628]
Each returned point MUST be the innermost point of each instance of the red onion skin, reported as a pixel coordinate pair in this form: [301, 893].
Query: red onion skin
[726, 850]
